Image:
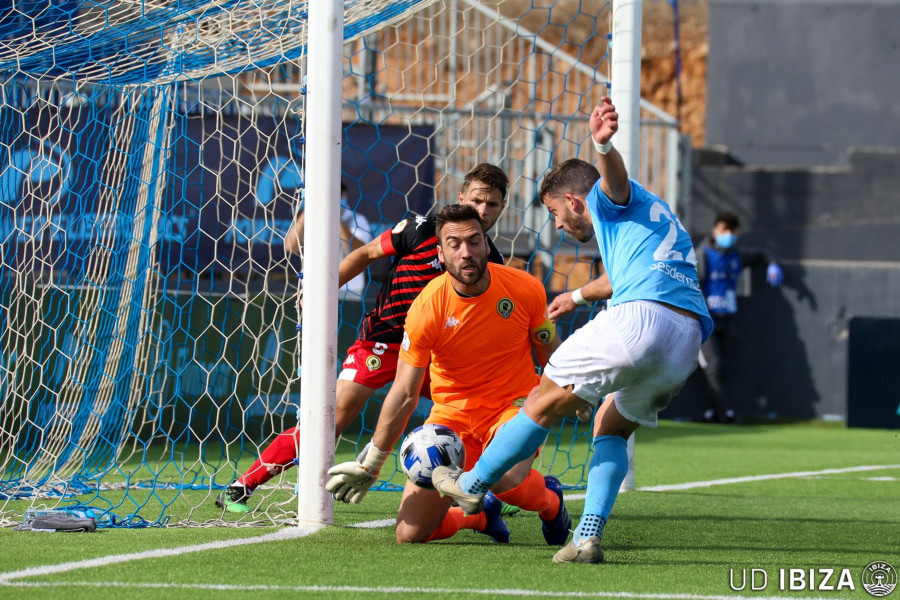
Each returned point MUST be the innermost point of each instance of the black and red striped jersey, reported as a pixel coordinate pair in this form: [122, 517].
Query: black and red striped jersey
[413, 244]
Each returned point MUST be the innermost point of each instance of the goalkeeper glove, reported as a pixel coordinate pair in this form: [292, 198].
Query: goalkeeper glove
[352, 480]
[774, 275]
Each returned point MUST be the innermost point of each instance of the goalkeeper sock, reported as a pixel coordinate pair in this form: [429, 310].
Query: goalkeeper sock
[607, 470]
[532, 494]
[454, 520]
[279, 455]
[517, 440]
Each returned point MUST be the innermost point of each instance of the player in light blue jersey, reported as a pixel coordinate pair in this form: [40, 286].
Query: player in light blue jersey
[642, 348]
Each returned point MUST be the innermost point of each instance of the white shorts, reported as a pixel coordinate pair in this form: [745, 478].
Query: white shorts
[641, 350]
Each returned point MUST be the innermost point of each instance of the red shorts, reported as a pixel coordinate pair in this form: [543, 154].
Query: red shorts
[374, 365]
[475, 428]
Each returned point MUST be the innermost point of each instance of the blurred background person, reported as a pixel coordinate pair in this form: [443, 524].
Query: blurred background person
[356, 232]
[719, 266]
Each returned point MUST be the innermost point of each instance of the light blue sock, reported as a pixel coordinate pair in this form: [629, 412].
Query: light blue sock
[608, 468]
[518, 439]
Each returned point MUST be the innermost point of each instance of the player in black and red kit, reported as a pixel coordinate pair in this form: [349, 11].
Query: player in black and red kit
[372, 360]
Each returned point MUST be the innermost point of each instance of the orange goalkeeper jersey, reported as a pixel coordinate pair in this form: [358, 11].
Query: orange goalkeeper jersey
[479, 348]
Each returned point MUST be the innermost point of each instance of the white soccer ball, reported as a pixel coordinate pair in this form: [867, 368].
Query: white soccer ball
[427, 447]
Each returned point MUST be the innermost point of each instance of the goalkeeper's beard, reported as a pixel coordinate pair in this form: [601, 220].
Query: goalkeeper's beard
[468, 277]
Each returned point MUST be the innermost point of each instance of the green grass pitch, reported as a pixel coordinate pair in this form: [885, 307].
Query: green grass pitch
[679, 544]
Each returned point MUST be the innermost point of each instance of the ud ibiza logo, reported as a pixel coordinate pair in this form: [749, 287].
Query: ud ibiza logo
[43, 170]
[795, 580]
[879, 578]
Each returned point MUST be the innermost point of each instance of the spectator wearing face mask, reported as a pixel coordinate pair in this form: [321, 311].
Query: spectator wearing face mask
[719, 266]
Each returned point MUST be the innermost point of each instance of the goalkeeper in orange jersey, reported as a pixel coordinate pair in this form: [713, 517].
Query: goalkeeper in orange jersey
[474, 329]
[372, 359]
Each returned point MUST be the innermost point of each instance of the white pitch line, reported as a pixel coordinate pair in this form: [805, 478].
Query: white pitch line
[374, 524]
[797, 474]
[709, 483]
[444, 592]
[283, 534]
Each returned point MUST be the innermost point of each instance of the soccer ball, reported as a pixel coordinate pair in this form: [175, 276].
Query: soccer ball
[427, 447]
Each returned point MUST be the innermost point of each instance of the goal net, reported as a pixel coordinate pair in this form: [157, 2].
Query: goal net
[151, 163]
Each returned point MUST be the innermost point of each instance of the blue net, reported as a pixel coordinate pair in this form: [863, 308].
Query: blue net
[151, 167]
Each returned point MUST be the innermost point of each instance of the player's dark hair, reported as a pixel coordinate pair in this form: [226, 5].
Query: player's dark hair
[730, 219]
[343, 187]
[455, 213]
[574, 175]
[490, 175]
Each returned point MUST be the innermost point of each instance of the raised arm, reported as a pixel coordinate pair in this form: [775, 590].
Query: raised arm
[604, 124]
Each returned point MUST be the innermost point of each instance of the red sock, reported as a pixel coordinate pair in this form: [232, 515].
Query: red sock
[275, 458]
[532, 494]
[454, 520]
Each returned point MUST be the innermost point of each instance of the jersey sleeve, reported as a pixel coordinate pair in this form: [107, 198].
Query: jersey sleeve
[407, 235]
[537, 303]
[418, 334]
[392, 241]
[541, 329]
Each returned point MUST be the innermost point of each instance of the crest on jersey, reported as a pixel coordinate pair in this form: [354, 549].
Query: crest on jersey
[542, 335]
[399, 226]
[373, 362]
[505, 307]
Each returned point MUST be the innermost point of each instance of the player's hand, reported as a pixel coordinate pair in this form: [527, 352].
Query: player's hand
[774, 275]
[585, 414]
[351, 480]
[560, 305]
[604, 121]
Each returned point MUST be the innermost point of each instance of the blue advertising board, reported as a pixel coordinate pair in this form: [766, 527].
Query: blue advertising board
[256, 178]
[231, 187]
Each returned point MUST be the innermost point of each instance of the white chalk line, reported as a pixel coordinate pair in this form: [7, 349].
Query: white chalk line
[794, 475]
[282, 534]
[374, 524]
[675, 487]
[444, 592]
[7, 579]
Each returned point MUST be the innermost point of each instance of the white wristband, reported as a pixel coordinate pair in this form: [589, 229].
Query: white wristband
[602, 148]
[372, 459]
[578, 299]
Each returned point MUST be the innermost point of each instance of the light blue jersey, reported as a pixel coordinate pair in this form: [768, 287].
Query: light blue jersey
[647, 252]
